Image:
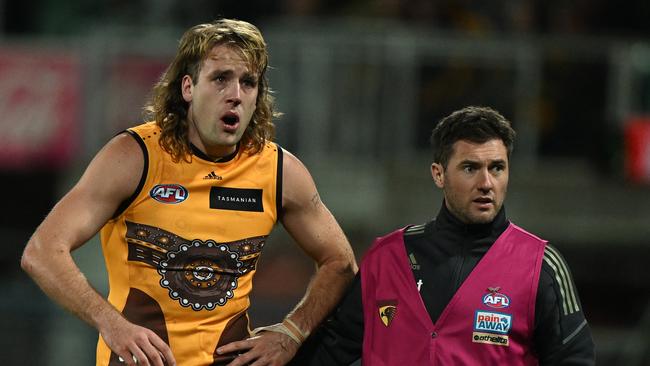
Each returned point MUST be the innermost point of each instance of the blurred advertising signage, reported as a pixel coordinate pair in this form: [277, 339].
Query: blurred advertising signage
[131, 79]
[39, 106]
[637, 146]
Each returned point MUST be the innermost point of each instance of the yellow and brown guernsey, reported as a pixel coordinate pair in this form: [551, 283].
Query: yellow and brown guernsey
[182, 251]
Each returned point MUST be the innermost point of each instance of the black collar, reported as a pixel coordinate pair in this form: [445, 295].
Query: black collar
[200, 154]
[447, 221]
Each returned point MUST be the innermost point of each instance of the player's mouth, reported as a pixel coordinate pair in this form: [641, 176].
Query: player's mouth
[484, 202]
[230, 121]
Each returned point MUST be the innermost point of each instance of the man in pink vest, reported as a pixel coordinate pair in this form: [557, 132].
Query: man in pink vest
[467, 288]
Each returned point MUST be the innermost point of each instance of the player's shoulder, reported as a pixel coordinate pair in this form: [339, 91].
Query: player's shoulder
[514, 228]
[556, 275]
[554, 266]
[125, 146]
[554, 260]
[386, 241]
[147, 129]
[415, 230]
[288, 157]
[294, 171]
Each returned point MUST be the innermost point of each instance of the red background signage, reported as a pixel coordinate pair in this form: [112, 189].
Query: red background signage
[39, 108]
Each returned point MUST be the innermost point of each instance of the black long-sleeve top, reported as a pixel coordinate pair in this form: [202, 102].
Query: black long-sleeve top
[442, 253]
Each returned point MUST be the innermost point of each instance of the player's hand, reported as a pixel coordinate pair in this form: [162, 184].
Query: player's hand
[264, 349]
[136, 345]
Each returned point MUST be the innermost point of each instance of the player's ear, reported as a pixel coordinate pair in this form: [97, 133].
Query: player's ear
[438, 174]
[187, 87]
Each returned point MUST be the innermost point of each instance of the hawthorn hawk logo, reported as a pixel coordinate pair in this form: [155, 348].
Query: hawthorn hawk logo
[387, 311]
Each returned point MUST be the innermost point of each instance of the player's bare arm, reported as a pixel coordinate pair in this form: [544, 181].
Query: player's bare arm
[316, 231]
[110, 178]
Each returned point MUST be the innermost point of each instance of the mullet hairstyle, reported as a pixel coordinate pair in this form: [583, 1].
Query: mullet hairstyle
[473, 123]
[167, 107]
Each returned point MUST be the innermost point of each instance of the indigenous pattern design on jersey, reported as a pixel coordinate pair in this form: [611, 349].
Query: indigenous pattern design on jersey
[198, 274]
[182, 252]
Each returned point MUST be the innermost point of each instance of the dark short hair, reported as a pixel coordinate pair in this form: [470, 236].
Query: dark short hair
[473, 123]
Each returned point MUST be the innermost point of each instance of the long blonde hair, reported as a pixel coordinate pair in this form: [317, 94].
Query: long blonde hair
[167, 107]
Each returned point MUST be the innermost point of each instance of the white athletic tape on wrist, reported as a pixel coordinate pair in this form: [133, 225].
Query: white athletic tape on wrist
[293, 326]
[278, 328]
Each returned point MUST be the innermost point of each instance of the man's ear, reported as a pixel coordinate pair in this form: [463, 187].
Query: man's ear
[187, 87]
[438, 174]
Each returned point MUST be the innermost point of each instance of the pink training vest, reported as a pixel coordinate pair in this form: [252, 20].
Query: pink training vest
[488, 321]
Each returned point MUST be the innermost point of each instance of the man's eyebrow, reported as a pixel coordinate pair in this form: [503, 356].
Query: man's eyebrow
[250, 75]
[225, 72]
[477, 162]
[498, 161]
[230, 72]
[469, 162]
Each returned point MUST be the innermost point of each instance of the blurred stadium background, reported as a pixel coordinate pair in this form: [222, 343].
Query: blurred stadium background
[361, 84]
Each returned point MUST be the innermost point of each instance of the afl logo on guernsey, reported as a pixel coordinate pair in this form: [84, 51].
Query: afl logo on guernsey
[496, 300]
[169, 193]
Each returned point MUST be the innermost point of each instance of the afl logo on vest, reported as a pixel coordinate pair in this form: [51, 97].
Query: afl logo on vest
[496, 300]
[169, 193]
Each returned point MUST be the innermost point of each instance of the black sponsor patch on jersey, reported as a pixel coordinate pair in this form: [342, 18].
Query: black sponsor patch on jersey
[236, 199]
